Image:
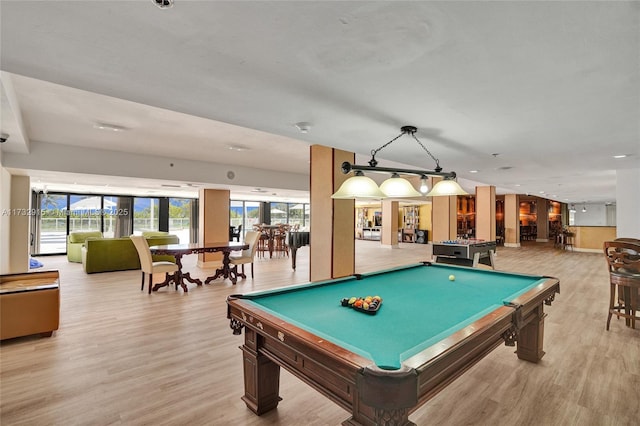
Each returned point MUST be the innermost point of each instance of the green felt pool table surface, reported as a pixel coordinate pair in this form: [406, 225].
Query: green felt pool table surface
[420, 307]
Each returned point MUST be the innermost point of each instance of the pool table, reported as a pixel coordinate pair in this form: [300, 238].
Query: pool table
[429, 329]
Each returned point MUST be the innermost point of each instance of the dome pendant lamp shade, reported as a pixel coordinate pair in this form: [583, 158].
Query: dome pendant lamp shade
[397, 187]
[446, 187]
[358, 186]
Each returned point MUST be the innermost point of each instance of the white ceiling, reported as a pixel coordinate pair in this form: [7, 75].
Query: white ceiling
[553, 88]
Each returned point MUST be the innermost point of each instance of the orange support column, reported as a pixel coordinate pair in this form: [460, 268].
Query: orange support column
[332, 252]
[444, 216]
[213, 217]
[389, 232]
[512, 220]
[486, 213]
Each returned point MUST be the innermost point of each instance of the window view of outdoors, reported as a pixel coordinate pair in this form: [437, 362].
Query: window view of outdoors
[51, 236]
[278, 213]
[121, 216]
[299, 215]
[251, 215]
[180, 218]
[145, 215]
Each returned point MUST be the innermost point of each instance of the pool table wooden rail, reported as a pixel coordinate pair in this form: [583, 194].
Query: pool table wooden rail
[372, 395]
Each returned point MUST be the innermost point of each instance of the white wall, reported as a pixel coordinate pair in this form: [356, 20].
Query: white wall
[73, 159]
[628, 203]
[596, 215]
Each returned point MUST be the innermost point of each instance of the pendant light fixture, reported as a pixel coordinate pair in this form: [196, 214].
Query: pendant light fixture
[396, 186]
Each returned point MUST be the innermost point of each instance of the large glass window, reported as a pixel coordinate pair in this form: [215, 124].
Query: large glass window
[85, 213]
[251, 214]
[180, 218]
[145, 215]
[279, 213]
[117, 216]
[236, 213]
[50, 225]
[299, 215]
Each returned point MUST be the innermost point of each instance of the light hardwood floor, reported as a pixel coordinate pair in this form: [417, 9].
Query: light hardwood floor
[123, 357]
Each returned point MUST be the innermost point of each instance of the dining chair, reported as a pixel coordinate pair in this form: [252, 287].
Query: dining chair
[252, 238]
[147, 264]
[234, 234]
[280, 240]
[623, 259]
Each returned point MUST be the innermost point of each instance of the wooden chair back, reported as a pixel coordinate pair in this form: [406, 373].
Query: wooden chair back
[623, 259]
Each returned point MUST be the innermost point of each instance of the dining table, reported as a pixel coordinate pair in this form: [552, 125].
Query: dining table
[179, 250]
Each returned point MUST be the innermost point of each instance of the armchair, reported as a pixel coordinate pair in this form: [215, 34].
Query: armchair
[75, 241]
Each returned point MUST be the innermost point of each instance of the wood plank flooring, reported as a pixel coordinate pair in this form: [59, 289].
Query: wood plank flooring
[123, 357]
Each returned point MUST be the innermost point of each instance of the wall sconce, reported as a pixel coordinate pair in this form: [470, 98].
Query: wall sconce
[395, 186]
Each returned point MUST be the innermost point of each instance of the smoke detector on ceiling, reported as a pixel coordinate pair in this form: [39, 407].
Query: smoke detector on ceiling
[303, 126]
[163, 4]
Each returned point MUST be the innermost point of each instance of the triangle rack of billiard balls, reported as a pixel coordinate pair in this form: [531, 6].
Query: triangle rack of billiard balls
[369, 304]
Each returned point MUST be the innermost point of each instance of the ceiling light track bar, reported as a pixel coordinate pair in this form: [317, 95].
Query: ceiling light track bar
[347, 167]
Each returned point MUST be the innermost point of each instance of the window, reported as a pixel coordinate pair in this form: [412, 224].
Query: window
[49, 227]
[145, 215]
[85, 213]
[279, 213]
[180, 218]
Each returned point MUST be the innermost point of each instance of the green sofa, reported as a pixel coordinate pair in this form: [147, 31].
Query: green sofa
[119, 254]
[75, 241]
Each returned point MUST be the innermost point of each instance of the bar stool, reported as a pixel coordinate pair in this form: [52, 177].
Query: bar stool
[568, 240]
[623, 259]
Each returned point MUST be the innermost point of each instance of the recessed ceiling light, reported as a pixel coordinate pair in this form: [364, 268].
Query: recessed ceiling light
[542, 192]
[517, 184]
[620, 156]
[473, 171]
[239, 148]
[109, 127]
[259, 190]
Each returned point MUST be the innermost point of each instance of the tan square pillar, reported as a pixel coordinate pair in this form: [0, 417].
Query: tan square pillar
[444, 216]
[332, 252]
[512, 220]
[19, 231]
[486, 213]
[389, 232]
[213, 226]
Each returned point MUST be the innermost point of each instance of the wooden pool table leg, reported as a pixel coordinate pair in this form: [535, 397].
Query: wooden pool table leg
[261, 376]
[384, 398]
[382, 417]
[531, 336]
